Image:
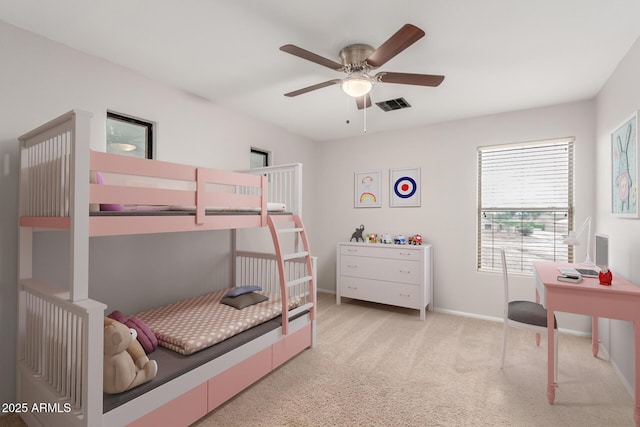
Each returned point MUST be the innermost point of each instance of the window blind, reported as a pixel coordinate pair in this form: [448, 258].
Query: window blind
[525, 203]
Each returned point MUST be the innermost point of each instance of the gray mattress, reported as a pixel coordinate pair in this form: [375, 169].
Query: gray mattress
[172, 364]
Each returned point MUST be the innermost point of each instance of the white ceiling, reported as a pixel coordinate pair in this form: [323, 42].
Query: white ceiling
[497, 55]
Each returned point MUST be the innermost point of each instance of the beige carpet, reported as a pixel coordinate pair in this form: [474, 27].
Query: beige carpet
[376, 365]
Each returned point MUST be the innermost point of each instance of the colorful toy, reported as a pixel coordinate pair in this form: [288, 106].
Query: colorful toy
[416, 239]
[400, 240]
[386, 238]
[372, 238]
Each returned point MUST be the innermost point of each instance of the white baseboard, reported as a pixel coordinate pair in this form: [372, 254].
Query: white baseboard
[465, 314]
[500, 320]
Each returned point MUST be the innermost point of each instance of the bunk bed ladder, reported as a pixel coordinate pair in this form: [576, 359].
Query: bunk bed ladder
[299, 233]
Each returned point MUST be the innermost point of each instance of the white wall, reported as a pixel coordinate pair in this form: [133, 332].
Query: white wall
[40, 80]
[446, 154]
[617, 100]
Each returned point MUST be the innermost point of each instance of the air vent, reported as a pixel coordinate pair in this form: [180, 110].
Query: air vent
[393, 104]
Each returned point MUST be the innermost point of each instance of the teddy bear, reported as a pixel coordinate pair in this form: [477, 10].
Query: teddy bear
[135, 349]
[120, 372]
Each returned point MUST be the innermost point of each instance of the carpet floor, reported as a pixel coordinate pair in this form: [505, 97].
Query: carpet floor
[376, 365]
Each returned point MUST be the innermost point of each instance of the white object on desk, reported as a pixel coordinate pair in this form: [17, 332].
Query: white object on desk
[602, 250]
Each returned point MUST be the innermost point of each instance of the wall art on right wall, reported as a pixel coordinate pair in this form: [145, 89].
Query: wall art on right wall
[624, 169]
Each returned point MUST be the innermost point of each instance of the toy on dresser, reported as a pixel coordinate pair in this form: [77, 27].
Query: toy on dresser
[386, 238]
[357, 234]
[416, 239]
[400, 240]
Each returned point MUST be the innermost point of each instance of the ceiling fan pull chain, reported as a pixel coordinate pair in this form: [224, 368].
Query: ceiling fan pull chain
[346, 107]
[365, 114]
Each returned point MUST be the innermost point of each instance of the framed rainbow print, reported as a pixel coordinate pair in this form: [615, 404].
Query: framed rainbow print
[624, 169]
[404, 187]
[367, 189]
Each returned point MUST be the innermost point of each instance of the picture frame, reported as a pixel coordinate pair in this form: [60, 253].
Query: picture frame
[404, 187]
[624, 168]
[367, 189]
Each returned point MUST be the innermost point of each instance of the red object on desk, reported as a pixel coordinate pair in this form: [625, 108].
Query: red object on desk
[605, 277]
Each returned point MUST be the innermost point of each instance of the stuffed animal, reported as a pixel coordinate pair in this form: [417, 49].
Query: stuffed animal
[120, 372]
[146, 337]
[135, 349]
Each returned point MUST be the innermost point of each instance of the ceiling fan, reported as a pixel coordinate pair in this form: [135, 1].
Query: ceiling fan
[358, 59]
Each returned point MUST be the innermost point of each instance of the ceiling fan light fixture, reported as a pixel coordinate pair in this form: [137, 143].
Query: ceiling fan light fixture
[357, 86]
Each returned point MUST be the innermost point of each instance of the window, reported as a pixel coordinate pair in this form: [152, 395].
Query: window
[129, 136]
[525, 203]
[260, 158]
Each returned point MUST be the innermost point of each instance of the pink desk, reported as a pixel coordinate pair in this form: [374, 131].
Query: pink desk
[621, 301]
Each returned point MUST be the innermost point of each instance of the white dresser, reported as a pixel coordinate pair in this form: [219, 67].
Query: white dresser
[399, 275]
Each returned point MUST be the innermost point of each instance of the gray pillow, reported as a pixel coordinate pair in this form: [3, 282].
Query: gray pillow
[244, 300]
[241, 290]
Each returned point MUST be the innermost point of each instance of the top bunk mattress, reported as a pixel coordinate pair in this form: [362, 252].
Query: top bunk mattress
[196, 323]
[273, 208]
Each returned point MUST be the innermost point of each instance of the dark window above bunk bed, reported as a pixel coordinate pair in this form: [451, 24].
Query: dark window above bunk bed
[129, 136]
[260, 158]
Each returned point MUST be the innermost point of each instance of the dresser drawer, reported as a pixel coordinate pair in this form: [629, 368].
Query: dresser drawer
[390, 270]
[397, 294]
[380, 250]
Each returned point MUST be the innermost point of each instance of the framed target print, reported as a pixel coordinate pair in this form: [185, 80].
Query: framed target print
[404, 187]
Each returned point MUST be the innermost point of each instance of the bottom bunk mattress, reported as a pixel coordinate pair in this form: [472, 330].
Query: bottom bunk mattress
[172, 365]
[196, 323]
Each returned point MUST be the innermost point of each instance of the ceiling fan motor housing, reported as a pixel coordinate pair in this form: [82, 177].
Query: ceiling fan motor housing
[353, 56]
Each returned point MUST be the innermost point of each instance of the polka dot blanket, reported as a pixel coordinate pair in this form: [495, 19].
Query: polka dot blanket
[197, 323]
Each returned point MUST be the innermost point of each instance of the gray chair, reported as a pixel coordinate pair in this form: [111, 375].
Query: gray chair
[525, 315]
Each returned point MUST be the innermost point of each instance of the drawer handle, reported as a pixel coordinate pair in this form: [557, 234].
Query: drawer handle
[351, 250]
[352, 287]
[405, 295]
[405, 271]
[405, 253]
[352, 266]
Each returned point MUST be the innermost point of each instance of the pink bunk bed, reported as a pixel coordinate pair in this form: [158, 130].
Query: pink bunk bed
[59, 346]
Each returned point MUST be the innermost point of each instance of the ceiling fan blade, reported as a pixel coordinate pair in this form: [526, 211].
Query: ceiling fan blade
[402, 39]
[362, 100]
[410, 79]
[314, 87]
[310, 56]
